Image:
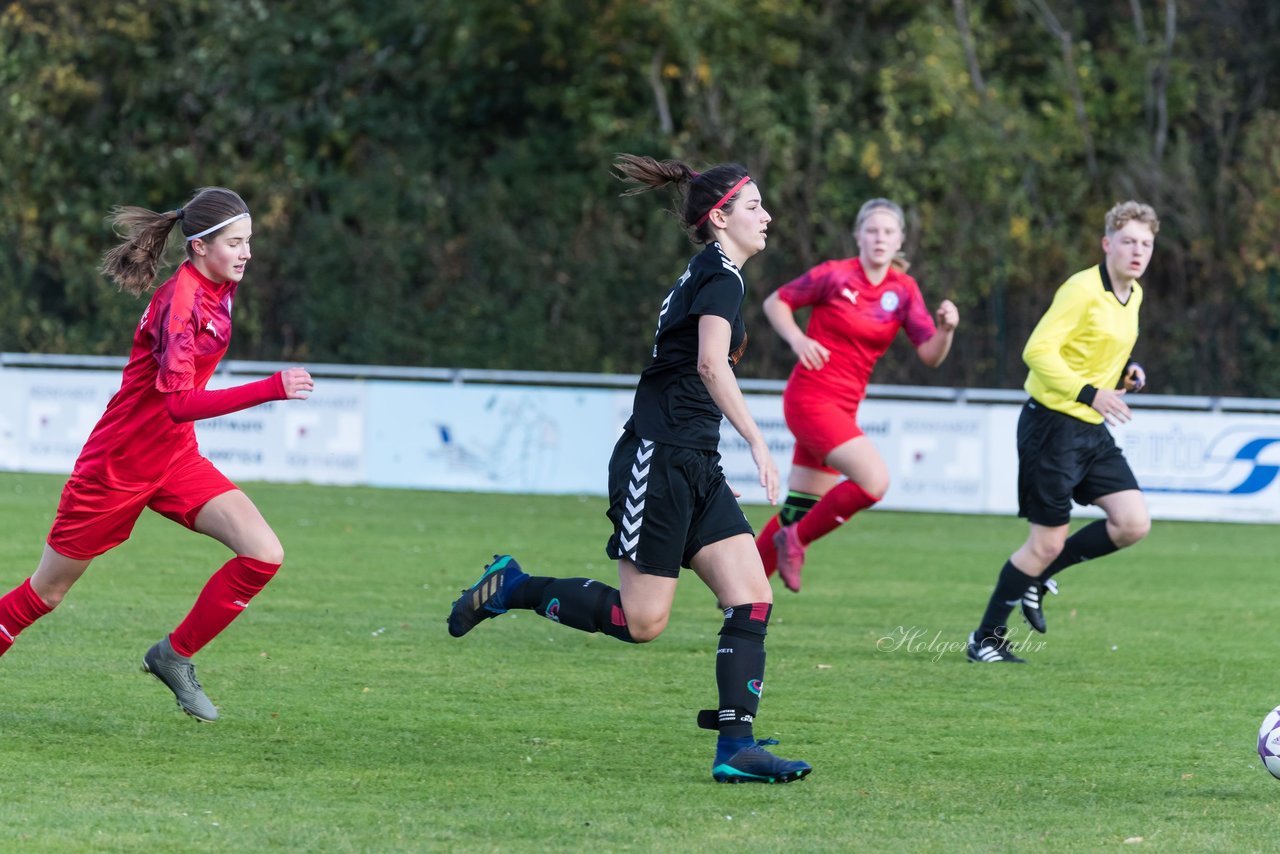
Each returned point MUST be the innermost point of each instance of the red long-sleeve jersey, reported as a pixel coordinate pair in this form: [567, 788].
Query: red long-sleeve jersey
[856, 321]
[183, 334]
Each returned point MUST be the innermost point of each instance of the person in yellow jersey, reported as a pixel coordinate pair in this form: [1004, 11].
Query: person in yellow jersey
[1080, 365]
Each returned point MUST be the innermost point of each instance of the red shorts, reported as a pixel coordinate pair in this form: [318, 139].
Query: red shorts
[94, 518]
[820, 426]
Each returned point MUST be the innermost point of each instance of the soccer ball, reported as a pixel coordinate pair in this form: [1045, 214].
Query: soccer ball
[1269, 742]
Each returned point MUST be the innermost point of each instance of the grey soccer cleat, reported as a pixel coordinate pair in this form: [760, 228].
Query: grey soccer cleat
[179, 675]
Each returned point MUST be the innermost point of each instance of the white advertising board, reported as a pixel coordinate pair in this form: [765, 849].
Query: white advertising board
[318, 440]
[490, 438]
[942, 456]
[48, 414]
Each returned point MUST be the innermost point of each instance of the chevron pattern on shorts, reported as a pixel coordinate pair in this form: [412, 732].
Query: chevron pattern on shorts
[633, 517]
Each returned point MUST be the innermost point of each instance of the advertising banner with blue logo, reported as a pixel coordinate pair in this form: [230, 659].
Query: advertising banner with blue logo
[1206, 465]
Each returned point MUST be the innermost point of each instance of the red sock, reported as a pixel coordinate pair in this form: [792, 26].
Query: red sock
[764, 545]
[226, 594]
[835, 508]
[19, 608]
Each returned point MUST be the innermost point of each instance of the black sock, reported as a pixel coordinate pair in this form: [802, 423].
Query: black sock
[1010, 587]
[580, 603]
[796, 506]
[527, 596]
[1085, 544]
[740, 666]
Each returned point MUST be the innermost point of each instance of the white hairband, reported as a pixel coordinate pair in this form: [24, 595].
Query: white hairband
[222, 224]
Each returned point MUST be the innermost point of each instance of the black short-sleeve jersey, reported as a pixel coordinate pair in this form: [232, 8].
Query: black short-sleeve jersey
[672, 404]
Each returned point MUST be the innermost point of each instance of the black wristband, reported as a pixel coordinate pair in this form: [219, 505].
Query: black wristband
[1087, 394]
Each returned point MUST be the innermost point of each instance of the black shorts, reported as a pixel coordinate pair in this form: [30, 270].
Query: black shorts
[1061, 458]
[666, 503]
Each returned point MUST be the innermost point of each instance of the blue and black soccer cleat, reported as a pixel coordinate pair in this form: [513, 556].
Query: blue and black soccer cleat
[487, 597]
[754, 764]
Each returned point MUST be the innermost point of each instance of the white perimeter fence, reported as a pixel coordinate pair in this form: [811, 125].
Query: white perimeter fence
[948, 450]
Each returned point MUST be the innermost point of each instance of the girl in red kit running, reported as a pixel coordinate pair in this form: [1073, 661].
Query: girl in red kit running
[859, 304]
[142, 453]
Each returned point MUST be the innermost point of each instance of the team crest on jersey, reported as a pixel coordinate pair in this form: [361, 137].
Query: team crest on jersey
[889, 301]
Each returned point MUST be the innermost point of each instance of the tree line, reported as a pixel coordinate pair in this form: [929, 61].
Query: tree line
[430, 179]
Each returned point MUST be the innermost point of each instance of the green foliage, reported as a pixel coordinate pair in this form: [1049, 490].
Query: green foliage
[430, 180]
[351, 721]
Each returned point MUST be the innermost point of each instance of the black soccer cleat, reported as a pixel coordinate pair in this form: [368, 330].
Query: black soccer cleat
[1033, 604]
[993, 649]
[487, 597]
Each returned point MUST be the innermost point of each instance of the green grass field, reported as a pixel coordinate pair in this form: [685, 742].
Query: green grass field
[351, 721]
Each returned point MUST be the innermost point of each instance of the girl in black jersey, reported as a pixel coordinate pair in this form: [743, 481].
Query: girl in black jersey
[669, 502]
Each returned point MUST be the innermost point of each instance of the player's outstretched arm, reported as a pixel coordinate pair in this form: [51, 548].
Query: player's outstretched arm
[199, 404]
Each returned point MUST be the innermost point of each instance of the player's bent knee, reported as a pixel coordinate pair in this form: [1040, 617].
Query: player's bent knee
[1046, 551]
[646, 631]
[1131, 531]
[877, 489]
[272, 553]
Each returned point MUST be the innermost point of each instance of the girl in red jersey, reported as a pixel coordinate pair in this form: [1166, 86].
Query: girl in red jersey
[143, 453]
[859, 304]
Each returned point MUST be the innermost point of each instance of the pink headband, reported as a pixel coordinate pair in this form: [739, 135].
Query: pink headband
[726, 197]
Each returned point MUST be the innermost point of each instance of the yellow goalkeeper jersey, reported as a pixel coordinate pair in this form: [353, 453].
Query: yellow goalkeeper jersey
[1084, 339]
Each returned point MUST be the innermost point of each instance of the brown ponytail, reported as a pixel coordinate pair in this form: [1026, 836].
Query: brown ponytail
[701, 190]
[132, 265]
